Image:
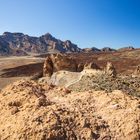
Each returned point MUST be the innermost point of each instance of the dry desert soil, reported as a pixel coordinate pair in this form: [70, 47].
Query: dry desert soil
[13, 68]
[90, 107]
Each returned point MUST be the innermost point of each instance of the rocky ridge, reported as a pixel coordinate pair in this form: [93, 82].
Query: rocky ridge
[21, 44]
[107, 49]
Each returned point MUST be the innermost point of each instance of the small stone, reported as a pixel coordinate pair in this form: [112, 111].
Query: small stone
[42, 102]
[67, 91]
[14, 110]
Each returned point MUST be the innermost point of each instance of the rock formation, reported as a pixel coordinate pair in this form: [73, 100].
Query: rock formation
[137, 71]
[80, 67]
[48, 67]
[110, 70]
[57, 62]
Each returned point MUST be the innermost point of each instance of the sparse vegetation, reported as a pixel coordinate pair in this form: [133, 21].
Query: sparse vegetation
[128, 84]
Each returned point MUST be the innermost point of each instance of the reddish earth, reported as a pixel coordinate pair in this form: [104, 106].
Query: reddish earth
[25, 70]
[125, 62]
[15, 68]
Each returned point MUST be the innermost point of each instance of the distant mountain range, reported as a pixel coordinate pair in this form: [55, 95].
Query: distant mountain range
[21, 44]
[107, 49]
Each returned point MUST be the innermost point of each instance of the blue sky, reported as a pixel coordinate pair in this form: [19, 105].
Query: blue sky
[88, 23]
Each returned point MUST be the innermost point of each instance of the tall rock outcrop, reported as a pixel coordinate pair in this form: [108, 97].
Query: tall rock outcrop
[57, 62]
[137, 71]
[110, 70]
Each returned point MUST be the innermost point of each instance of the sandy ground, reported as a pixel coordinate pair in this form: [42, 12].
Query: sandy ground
[12, 62]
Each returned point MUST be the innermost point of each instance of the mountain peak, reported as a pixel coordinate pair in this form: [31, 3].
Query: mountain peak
[43, 44]
[48, 35]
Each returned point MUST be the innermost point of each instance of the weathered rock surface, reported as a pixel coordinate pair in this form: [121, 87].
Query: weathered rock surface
[62, 78]
[137, 71]
[57, 62]
[110, 70]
